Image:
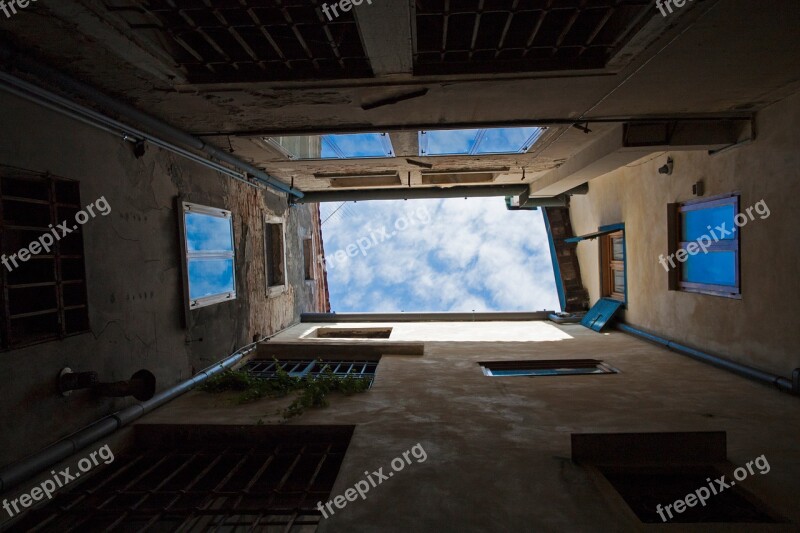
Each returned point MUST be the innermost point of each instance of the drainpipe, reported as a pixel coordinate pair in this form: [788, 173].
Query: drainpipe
[792, 386]
[166, 136]
[412, 194]
[28, 467]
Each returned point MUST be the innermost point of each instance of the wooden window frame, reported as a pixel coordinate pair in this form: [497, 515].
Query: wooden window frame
[309, 259]
[278, 288]
[608, 266]
[674, 233]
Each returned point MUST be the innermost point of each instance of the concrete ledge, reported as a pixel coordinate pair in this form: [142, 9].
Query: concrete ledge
[701, 447]
[424, 317]
[342, 349]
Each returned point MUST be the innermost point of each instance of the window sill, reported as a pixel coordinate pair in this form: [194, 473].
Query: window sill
[276, 290]
[728, 295]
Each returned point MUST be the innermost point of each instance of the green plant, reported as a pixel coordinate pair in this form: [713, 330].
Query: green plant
[312, 391]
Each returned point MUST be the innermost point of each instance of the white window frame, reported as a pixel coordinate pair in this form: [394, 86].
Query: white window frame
[188, 207]
[275, 290]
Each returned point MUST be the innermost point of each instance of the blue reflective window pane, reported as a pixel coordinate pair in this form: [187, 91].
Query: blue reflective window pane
[505, 140]
[546, 371]
[695, 223]
[450, 142]
[353, 146]
[713, 268]
[208, 277]
[618, 249]
[619, 281]
[206, 233]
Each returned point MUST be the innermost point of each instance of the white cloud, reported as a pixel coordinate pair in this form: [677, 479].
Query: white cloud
[438, 255]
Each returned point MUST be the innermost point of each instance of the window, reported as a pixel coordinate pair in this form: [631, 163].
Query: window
[612, 265]
[308, 258]
[313, 367]
[478, 141]
[205, 478]
[653, 471]
[44, 297]
[209, 255]
[352, 333]
[338, 146]
[564, 367]
[712, 268]
[645, 489]
[275, 255]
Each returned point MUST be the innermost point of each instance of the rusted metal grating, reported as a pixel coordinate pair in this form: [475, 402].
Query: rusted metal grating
[206, 478]
[267, 369]
[475, 36]
[250, 40]
[43, 298]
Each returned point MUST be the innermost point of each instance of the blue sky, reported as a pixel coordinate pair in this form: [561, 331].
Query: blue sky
[353, 145]
[437, 255]
[492, 141]
[205, 233]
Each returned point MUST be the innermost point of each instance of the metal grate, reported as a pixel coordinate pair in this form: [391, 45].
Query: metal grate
[479, 36]
[312, 367]
[207, 478]
[43, 298]
[250, 40]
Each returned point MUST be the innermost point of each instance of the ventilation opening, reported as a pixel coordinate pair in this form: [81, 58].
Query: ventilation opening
[352, 333]
[373, 180]
[457, 179]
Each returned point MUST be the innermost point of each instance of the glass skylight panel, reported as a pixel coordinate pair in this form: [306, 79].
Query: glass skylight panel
[334, 146]
[356, 146]
[447, 142]
[478, 141]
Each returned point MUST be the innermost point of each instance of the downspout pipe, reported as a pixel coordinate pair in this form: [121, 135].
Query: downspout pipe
[412, 194]
[159, 127]
[792, 386]
[41, 97]
[17, 473]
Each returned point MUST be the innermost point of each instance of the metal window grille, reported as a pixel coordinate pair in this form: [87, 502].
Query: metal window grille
[312, 367]
[43, 298]
[206, 478]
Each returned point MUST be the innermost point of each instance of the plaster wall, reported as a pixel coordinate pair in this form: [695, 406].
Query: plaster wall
[438, 331]
[760, 329]
[134, 276]
[498, 449]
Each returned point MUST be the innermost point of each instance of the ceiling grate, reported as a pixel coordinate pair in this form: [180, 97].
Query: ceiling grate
[486, 36]
[250, 40]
